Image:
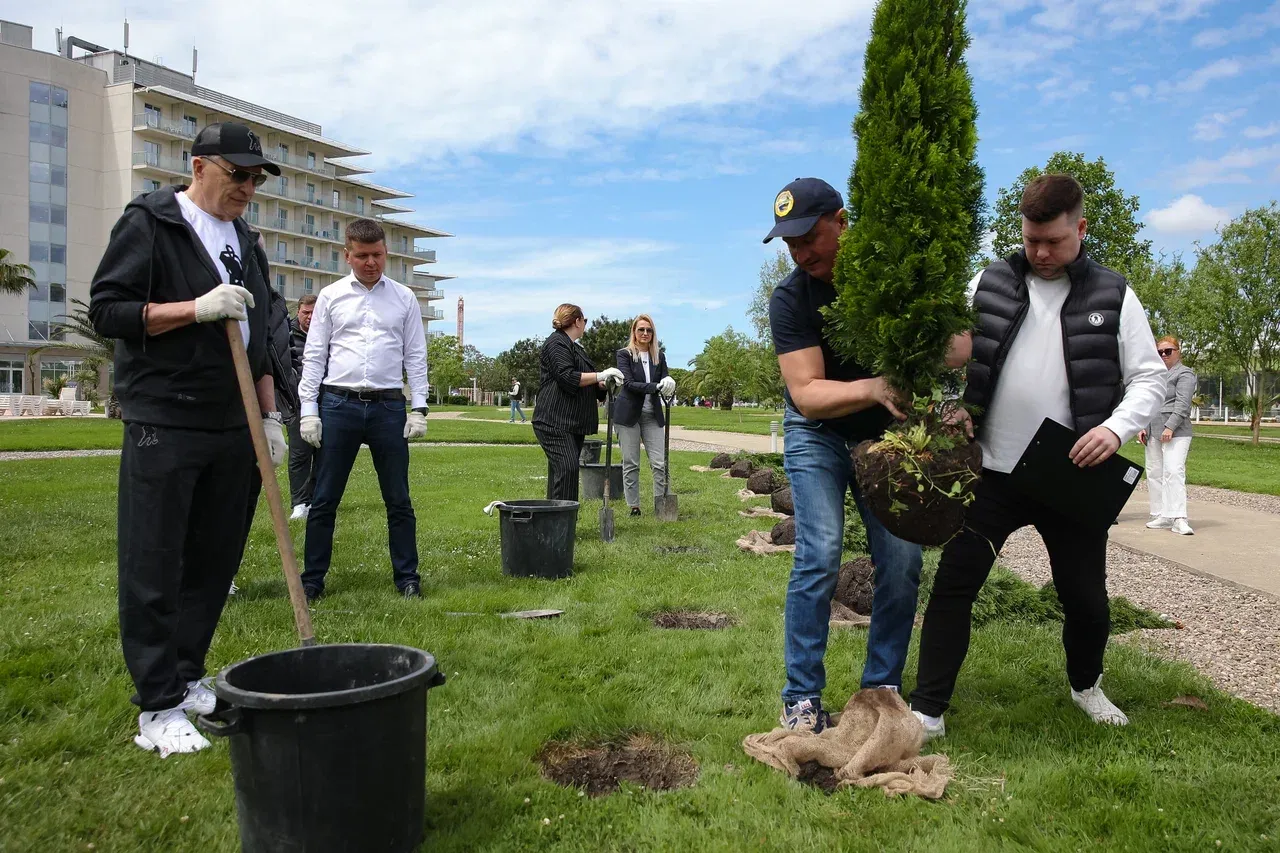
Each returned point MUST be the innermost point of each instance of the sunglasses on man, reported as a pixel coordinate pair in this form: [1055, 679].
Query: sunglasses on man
[239, 176]
[1166, 352]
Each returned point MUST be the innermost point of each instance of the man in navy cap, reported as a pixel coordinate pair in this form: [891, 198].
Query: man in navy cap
[180, 263]
[832, 404]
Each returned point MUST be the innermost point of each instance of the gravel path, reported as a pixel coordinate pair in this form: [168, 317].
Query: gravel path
[1231, 635]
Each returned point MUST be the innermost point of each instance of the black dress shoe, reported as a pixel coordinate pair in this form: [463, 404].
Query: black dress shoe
[312, 593]
[635, 512]
[411, 590]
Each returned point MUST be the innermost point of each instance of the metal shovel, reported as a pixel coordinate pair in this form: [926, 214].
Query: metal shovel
[666, 506]
[606, 511]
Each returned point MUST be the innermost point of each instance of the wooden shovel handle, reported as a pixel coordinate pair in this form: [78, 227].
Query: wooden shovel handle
[284, 541]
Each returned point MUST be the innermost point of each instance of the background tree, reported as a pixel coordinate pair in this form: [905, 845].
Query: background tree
[772, 274]
[15, 278]
[484, 369]
[723, 368]
[521, 362]
[915, 198]
[603, 338]
[444, 365]
[96, 351]
[765, 383]
[1238, 302]
[1171, 299]
[1113, 216]
[686, 385]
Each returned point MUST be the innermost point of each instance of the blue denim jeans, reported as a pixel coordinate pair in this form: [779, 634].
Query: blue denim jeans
[818, 462]
[516, 410]
[346, 424]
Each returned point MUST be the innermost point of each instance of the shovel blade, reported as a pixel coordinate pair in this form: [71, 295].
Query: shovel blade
[666, 507]
[606, 524]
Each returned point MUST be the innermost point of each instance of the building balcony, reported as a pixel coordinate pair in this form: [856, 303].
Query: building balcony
[171, 165]
[431, 294]
[297, 161]
[305, 263]
[318, 199]
[422, 256]
[289, 226]
[166, 127]
[432, 314]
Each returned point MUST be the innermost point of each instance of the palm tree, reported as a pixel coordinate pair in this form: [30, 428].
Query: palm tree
[15, 278]
[97, 350]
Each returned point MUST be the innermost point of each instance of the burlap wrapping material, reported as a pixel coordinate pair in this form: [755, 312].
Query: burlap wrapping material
[747, 494]
[759, 542]
[876, 743]
[845, 617]
[761, 512]
[701, 469]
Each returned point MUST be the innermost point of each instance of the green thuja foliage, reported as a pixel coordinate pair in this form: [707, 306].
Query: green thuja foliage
[917, 213]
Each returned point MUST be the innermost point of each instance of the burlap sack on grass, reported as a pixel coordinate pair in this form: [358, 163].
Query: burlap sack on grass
[876, 743]
[760, 512]
[758, 542]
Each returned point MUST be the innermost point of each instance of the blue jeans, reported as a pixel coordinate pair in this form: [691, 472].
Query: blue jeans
[818, 462]
[345, 425]
[515, 410]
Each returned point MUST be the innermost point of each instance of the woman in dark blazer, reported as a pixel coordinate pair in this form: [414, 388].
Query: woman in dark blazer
[637, 412]
[565, 411]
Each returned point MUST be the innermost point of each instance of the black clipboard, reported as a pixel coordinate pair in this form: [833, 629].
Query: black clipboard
[1093, 496]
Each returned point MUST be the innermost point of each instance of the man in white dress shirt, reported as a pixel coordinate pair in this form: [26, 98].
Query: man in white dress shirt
[366, 336]
[1059, 336]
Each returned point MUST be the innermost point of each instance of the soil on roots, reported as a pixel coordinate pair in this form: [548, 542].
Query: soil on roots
[599, 768]
[693, 619]
[927, 517]
[815, 774]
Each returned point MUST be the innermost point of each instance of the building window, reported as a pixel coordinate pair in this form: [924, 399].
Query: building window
[38, 253]
[186, 160]
[281, 281]
[41, 132]
[151, 153]
[311, 256]
[150, 186]
[152, 115]
[307, 285]
[58, 176]
[40, 93]
[39, 212]
[337, 230]
[57, 254]
[333, 260]
[284, 186]
[284, 152]
[58, 214]
[337, 199]
[189, 124]
[10, 376]
[282, 250]
[253, 212]
[311, 193]
[60, 99]
[311, 225]
[311, 160]
[360, 205]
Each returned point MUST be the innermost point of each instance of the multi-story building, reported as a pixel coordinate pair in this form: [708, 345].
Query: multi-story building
[81, 136]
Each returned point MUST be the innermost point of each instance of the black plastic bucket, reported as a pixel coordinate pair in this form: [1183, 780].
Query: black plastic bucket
[592, 482]
[328, 747]
[591, 448]
[537, 538]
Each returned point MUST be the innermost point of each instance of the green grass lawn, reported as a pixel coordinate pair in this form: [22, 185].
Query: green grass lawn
[1033, 773]
[1227, 464]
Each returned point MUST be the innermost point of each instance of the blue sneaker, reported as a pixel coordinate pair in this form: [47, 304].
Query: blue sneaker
[804, 716]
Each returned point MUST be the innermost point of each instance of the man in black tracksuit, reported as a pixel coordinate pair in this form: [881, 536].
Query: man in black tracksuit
[179, 264]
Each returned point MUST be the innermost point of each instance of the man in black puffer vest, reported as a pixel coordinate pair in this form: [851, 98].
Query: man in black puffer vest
[1063, 337]
[302, 456]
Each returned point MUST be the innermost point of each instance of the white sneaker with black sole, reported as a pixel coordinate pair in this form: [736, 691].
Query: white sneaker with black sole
[933, 726]
[167, 732]
[1181, 527]
[200, 699]
[300, 511]
[1099, 708]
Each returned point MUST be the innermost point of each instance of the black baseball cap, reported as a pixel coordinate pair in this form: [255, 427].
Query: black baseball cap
[235, 143]
[799, 206]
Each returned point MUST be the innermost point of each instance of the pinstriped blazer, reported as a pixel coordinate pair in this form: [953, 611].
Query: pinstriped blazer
[562, 403]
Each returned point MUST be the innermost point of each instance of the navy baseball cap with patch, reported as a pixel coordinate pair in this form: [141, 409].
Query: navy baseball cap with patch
[799, 206]
[235, 143]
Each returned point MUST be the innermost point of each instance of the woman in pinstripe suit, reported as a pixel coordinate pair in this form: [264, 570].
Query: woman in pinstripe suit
[565, 411]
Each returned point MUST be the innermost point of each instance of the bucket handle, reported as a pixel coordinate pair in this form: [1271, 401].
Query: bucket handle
[436, 680]
[521, 517]
[221, 723]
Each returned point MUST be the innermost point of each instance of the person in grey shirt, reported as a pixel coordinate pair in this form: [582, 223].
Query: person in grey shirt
[1168, 439]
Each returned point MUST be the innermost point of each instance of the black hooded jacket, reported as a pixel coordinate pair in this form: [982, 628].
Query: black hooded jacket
[184, 377]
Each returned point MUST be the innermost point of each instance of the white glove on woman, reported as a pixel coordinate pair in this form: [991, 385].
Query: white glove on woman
[275, 440]
[309, 427]
[224, 302]
[415, 425]
[611, 375]
[666, 386]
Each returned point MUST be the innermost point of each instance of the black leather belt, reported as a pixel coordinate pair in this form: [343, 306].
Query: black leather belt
[375, 396]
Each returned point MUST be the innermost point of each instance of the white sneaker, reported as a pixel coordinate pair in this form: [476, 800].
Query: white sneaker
[933, 726]
[300, 511]
[1160, 523]
[1181, 527]
[167, 732]
[1099, 708]
[199, 699]
[234, 589]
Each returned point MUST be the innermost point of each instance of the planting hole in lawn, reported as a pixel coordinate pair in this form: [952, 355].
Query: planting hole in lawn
[680, 549]
[693, 619]
[815, 774]
[599, 769]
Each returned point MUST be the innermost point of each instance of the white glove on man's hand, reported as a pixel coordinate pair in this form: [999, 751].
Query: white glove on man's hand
[666, 386]
[415, 425]
[275, 440]
[610, 375]
[309, 427]
[224, 302]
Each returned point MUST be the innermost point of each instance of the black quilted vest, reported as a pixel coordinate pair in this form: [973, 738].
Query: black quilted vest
[1090, 330]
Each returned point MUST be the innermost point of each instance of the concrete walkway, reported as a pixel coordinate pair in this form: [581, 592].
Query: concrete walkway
[740, 440]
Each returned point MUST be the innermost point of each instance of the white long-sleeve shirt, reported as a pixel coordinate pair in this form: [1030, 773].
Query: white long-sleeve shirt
[1033, 382]
[364, 338]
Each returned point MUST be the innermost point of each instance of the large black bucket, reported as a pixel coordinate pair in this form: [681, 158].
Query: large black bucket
[537, 538]
[591, 448]
[591, 485]
[328, 747]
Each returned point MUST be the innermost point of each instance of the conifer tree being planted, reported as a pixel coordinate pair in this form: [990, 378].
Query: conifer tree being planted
[916, 222]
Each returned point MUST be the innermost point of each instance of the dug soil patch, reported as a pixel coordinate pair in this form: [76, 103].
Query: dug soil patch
[823, 778]
[693, 619]
[599, 769]
[680, 549]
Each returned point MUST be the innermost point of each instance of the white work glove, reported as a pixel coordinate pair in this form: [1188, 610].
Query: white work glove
[611, 376]
[224, 302]
[275, 440]
[309, 427]
[666, 386]
[415, 425]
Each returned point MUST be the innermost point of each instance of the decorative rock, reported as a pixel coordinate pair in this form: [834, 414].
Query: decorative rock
[721, 460]
[761, 481]
[856, 585]
[784, 532]
[781, 501]
[741, 469]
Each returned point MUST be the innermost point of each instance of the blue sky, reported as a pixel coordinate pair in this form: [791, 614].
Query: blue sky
[625, 157]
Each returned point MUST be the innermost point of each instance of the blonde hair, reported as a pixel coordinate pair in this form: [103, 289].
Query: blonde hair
[1170, 339]
[634, 347]
[566, 315]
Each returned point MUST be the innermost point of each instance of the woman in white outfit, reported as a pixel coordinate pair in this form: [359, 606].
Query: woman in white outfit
[1168, 439]
[637, 411]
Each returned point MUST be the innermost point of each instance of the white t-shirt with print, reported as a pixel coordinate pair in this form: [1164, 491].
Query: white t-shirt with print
[216, 235]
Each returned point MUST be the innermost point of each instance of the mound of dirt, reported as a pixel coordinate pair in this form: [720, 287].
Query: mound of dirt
[693, 619]
[721, 460]
[599, 768]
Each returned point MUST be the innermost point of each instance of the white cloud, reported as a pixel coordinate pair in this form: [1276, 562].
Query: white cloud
[1214, 125]
[1256, 132]
[1247, 27]
[1232, 168]
[1221, 69]
[1126, 15]
[1187, 215]
[1061, 87]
